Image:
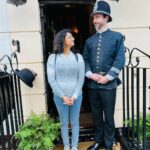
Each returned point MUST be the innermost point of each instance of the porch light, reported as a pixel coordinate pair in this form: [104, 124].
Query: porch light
[17, 2]
[75, 29]
[26, 75]
[67, 6]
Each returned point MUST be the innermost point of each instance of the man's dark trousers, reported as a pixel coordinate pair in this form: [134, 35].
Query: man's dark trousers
[103, 104]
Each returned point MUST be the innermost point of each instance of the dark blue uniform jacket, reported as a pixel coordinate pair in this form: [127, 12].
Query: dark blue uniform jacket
[104, 53]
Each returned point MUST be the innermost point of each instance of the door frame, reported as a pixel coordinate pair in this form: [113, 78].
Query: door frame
[43, 4]
[51, 2]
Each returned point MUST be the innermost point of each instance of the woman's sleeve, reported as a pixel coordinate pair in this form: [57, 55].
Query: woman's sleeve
[81, 76]
[51, 74]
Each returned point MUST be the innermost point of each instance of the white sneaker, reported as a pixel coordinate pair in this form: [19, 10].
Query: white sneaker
[66, 147]
[74, 148]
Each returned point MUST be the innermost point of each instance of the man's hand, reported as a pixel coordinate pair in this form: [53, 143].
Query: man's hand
[103, 79]
[67, 100]
[95, 77]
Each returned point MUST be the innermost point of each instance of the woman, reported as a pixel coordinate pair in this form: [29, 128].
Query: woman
[65, 71]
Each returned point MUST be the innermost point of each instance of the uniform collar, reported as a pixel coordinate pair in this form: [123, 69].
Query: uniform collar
[104, 30]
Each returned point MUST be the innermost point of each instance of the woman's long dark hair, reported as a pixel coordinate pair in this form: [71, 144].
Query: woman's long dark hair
[58, 43]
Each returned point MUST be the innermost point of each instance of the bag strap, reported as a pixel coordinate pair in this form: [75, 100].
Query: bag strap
[55, 58]
[76, 56]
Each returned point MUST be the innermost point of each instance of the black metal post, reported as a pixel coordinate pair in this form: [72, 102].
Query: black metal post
[17, 99]
[128, 99]
[123, 87]
[14, 102]
[144, 108]
[138, 107]
[132, 104]
[20, 101]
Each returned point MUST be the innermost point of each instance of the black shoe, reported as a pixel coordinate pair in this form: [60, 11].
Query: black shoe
[95, 146]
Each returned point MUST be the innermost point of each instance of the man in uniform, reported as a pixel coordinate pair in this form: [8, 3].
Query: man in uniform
[104, 58]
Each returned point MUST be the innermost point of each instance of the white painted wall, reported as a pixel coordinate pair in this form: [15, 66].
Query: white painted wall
[5, 40]
[130, 13]
[24, 25]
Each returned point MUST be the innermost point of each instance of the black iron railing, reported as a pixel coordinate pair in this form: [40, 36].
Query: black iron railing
[135, 111]
[11, 112]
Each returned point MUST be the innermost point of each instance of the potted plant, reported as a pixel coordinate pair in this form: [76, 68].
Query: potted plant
[38, 133]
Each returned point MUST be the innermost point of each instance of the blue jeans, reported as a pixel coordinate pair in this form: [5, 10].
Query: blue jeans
[67, 113]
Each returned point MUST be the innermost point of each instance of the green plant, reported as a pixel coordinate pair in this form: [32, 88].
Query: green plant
[129, 122]
[37, 133]
[148, 126]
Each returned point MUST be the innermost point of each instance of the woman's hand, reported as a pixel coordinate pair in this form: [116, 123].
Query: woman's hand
[67, 100]
[72, 99]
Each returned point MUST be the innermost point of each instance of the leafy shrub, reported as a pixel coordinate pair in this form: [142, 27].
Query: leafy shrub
[129, 122]
[37, 133]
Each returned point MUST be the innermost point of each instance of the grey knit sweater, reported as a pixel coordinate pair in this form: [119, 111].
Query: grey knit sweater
[66, 74]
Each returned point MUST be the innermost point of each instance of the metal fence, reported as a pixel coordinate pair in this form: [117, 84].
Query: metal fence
[135, 98]
[136, 87]
[11, 112]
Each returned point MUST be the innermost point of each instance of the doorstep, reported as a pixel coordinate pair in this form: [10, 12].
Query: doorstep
[85, 145]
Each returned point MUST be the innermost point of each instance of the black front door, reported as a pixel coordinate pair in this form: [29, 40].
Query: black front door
[75, 16]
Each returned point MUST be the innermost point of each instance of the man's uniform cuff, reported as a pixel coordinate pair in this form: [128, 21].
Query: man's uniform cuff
[109, 77]
[88, 74]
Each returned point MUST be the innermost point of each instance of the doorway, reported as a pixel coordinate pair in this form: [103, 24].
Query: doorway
[74, 16]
